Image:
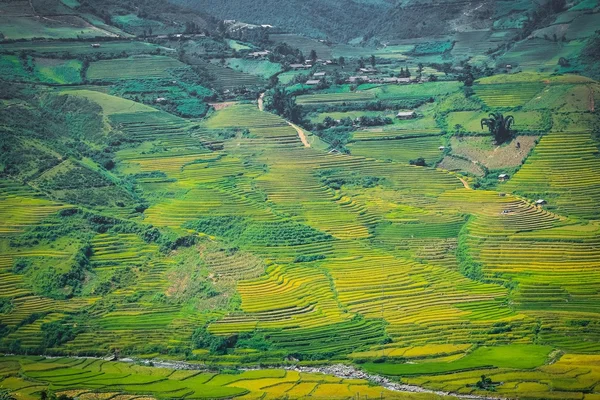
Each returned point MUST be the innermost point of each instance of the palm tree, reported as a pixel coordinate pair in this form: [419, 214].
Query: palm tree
[499, 126]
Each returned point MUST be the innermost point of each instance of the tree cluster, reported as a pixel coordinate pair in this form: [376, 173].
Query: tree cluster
[283, 103]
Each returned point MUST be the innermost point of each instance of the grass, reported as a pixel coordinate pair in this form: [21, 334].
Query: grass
[401, 150]
[112, 105]
[45, 70]
[481, 150]
[262, 68]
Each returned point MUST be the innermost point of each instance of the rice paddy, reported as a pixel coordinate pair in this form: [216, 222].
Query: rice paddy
[416, 249]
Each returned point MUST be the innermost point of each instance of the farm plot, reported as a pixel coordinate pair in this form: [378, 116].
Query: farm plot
[132, 68]
[399, 150]
[507, 95]
[20, 207]
[481, 150]
[127, 381]
[262, 68]
[304, 44]
[470, 121]
[41, 70]
[472, 43]
[60, 27]
[456, 164]
[538, 54]
[112, 105]
[223, 78]
[564, 169]
[56, 47]
[326, 98]
[390, 93]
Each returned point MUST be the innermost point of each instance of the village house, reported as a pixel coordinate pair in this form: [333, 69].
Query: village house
[367, 70]
[259, 54]
[540, 202]
[95, 45]
[160, 100]
[299, 66]
[355, 79]
[319, 74]
[406, 115]
[313, 82]
[503, 177]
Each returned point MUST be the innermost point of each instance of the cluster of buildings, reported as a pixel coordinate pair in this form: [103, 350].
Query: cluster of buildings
[309, 64]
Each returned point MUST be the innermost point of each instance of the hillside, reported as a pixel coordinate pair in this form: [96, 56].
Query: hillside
[194, 208]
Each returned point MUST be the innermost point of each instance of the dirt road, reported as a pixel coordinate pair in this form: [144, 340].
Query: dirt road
[301, 134]
[261, 103]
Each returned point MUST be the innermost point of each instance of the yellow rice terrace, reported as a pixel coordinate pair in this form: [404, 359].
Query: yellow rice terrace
[341, 199]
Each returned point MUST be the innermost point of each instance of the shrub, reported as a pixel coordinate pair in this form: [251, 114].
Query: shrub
[420, 162]
[57, 333]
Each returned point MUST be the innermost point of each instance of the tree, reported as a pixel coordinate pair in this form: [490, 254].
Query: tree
[284, 104]
[485, 383]
[313, 56]
[499, 126]
[221, 28]
[342, 61]
[420, 162]
[373, 61]
[361, 63]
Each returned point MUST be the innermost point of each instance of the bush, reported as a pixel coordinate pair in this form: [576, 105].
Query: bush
[202, 339]
[57, 333]
[420, 162]
[313, 257]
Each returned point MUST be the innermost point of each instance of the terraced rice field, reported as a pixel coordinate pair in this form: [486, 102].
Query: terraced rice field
[61, 47]
[108, 379]
[507, 95]
[245, 238]
[132, 68]
[401, 150]
[228, 78]
[563, 169]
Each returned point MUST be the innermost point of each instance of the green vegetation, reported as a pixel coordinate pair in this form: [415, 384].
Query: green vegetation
[499, 126]
[513, 356]
[411, 189]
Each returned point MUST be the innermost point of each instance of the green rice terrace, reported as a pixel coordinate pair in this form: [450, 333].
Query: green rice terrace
[338, 200]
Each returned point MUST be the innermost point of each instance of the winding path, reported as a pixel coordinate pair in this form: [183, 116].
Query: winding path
[300, 134]
[300, 131]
